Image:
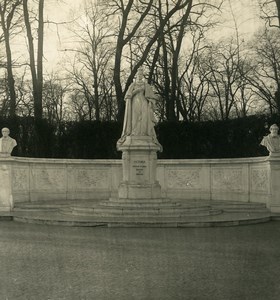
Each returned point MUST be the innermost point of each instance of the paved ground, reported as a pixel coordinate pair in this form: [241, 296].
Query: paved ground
[50, 262]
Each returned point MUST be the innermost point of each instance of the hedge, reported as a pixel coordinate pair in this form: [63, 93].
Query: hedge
[95, 140]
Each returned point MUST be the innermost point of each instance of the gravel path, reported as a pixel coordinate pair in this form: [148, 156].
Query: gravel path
[51, 262]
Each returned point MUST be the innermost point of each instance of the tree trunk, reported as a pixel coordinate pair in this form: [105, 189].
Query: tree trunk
[11, 80]
[37, 77]
[174, 70]
[169, 105]
[117, 68]
[96, 99]
[278, 10]
[5, 24]
[277, 99]
[121, 42]
[38, 104]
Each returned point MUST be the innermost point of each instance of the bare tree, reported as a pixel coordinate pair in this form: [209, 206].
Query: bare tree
[83, 88]
[194, 83]
[265, 75]
[150, 33]
[226, 76]
[4, 100]
[270, 12]
[93, 60]
[177, 51]
[245, 102]
[10, 19]
[78, 106]
[136, 22]
[36, 65]
[25, 104]
[54, 99]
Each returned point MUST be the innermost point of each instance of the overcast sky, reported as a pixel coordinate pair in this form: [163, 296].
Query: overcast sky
[246, 15]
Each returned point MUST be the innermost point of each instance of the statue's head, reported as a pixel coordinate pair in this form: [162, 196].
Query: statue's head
[274, 130]
[140, 75]
[5, 132]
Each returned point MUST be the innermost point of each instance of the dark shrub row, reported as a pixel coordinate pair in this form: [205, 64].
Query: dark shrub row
[91, 139]
[215, 139]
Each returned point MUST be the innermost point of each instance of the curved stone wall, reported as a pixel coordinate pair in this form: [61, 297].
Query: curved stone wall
[246, 179]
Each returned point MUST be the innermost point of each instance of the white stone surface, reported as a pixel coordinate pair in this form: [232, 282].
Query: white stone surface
[274, 203]
[6, 198]
[139, 165]
[213, 179]
[7, 143]
[139, 119]
[272, 140]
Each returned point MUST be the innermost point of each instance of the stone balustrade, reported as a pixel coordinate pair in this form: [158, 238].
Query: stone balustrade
[243, 179]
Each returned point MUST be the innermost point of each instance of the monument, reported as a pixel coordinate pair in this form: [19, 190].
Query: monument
[272, 140]
[272, 143]
[139, 144]
[7, 144]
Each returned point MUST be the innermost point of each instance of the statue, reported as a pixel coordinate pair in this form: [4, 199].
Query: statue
[139, 119]
[7, 143]
[272, 140]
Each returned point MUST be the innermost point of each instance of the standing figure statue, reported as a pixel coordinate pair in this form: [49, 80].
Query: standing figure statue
[7, 143]
[139, 119]
[272, 140]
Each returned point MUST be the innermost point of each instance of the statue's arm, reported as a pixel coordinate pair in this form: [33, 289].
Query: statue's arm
[138, 90]
[150, 94]
[129, 92]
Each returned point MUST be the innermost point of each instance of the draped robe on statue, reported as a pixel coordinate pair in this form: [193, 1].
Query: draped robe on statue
[139, 119]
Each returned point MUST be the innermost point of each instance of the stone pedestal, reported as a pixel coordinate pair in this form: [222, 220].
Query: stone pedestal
[139, 161]
[6, 198]
[274, 203]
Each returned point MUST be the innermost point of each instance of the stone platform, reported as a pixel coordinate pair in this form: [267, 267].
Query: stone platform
[158, 213]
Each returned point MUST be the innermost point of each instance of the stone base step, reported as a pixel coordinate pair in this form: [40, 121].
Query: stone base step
[127, 213]
[36, 208]
[155, 201]
[163, 201]
[136, 204]
[47, 204]
[205, 221]
[240, 207]
[158, 207]
[248, 210]
[144, 214]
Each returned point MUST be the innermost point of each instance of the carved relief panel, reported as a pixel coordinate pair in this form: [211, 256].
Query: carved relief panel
[260, 180]
[20, 179]
[183, 178]
[230, 179]
[48, 178]
[91, 178]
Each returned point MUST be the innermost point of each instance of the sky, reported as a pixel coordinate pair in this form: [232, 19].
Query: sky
[57, 38]
[243, 13]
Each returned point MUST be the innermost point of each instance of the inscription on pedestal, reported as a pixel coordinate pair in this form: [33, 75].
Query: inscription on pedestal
[139, 166]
